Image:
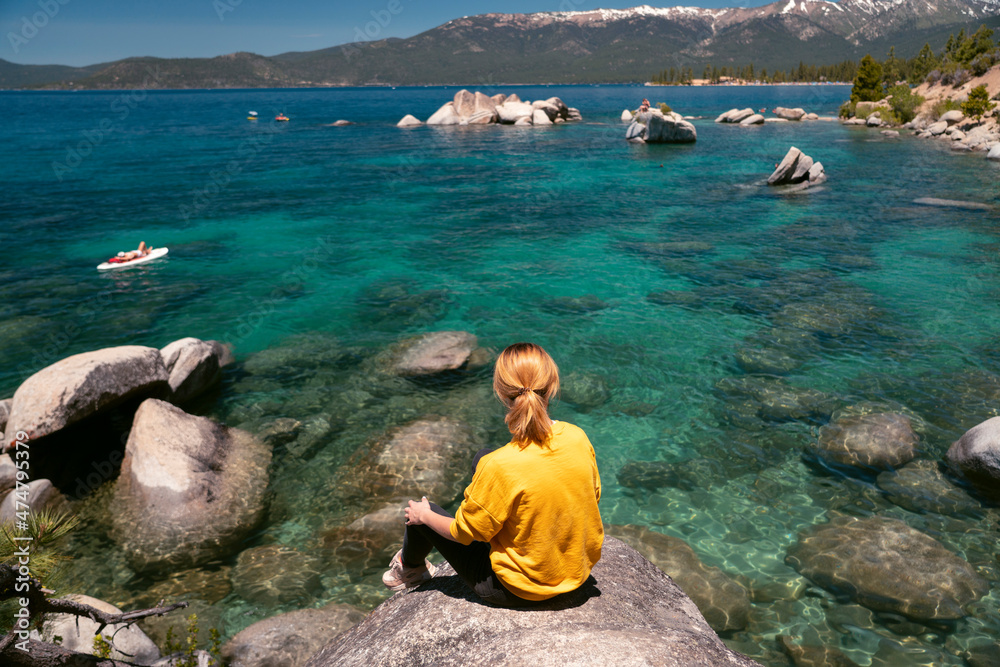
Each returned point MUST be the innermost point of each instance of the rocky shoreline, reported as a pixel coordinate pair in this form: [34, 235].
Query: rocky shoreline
[190, 490]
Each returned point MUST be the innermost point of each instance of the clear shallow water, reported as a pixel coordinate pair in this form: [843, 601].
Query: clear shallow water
[312, 248]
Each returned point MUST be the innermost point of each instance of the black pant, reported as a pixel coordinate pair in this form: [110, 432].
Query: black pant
[470, 562]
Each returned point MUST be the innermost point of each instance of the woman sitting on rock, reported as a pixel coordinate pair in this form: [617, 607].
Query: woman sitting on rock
[529, 527]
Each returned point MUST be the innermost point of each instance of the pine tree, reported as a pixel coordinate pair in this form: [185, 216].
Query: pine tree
[868, 82]
[977, 103]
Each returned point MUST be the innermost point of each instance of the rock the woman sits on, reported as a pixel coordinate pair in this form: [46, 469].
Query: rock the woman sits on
[529, 527]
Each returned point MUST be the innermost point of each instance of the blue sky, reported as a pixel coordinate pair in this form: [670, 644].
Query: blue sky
[85, 32]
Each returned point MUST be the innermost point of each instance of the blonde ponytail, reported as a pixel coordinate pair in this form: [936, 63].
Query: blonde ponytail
[525, 380]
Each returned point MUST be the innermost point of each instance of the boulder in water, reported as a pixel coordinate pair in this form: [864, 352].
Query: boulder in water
[753, 119]
[723, 601]
[83, 385]
[880, 440]
[735, 115]
[434, 353]
[194, 366]
[446, 115]
[289, 639]
[275, 574]
[189, 489]
[795, 168]
[628, 602]
[425, 457]
[789, 114]
[887, 566]
[409, 120]
[976, 455]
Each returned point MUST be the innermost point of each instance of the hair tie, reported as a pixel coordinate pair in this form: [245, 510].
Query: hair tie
[521, 391]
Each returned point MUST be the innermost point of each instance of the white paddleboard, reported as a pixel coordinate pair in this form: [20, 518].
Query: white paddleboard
[155, 253]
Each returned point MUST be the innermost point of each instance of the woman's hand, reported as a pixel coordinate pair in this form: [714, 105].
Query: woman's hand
[416, 512]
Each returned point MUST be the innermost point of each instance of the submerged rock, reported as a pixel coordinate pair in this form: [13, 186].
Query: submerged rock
[288, 640]
[370, 541]
[275, 574]
[629, 602]
[78, 632]
[814, 656]
[882, 440]
[885, 565]
[723, 601]
[921, 486]
[83, 385]
[189, 489]
[426, 457]
[433, 353]
[952, 203]
[585, 391]
[976, 455]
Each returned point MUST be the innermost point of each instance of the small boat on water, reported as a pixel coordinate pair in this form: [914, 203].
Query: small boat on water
[281, 118]
[252, 116]
[117, 263]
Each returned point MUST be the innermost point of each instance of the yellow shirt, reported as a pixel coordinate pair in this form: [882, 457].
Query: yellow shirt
[537, 507]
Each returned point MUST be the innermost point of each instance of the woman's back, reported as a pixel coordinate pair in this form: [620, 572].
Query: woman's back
[537, 507]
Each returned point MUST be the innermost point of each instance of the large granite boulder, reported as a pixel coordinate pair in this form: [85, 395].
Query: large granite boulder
[789, 114]
[626, 116]
[5, 412]
[540, 117]
[83, 385]
[754, 119]
[550, 109]
[129, 642]
[994, 152]
[952, 117]
[446, 115]
[655, 127]
[288, 640]
[8, 473]
[433, 353]
[513, 110]
[409, 120]
[724, 602]
[629, 613]
[39, 495]
[464, 103]
[189, 489]
[886, 565]
[194, 365]
[976, 455]
[796, 167]
[880, 440]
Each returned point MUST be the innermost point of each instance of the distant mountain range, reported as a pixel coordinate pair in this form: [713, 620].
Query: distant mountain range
[598, 46]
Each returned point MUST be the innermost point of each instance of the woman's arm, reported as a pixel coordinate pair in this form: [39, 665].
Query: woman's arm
[420, 513]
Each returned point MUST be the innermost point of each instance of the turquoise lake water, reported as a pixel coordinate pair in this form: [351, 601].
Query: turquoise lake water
[648, 272]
